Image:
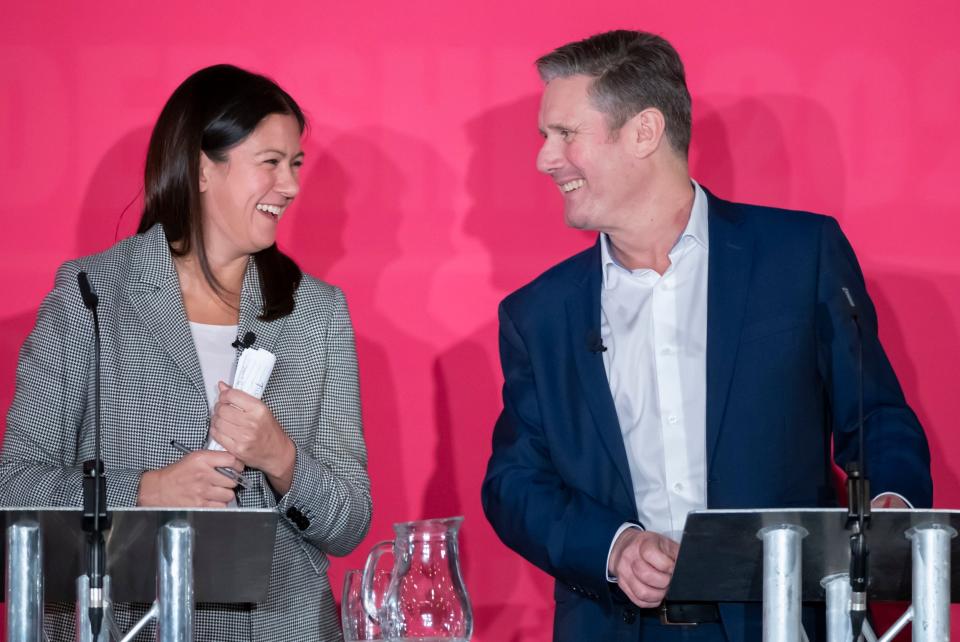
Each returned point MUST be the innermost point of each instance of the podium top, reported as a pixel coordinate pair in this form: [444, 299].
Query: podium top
[721, 556]
[232, 553]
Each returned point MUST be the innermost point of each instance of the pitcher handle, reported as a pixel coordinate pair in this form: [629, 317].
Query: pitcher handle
[366, 584]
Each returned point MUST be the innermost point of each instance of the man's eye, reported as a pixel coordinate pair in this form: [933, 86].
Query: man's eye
[565, 134]
[273, 161]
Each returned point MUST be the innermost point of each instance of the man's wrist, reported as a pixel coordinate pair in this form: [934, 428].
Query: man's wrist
[616, 536]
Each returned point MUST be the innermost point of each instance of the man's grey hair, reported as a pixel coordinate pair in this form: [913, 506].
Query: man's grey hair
[632, 71]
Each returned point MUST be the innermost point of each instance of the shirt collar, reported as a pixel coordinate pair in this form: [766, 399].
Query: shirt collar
[696, 231]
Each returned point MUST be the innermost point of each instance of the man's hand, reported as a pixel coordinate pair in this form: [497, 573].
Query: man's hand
[643, 564]
[888, 500]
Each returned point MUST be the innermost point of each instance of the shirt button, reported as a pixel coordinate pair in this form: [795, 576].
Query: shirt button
[673, 419]
[678, 487]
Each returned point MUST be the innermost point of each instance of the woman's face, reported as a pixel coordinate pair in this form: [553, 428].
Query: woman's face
[244, 197]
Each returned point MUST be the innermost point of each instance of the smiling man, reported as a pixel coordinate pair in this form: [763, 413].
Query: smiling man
[700, 355]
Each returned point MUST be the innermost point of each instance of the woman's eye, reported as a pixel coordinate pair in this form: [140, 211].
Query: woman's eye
[273, 161]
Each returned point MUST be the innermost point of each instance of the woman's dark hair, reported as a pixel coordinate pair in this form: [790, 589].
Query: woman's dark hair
[212, 111]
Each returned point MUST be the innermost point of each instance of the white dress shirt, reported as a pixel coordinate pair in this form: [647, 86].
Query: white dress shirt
[654, 328]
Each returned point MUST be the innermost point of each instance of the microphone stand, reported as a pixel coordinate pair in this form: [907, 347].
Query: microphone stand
[96, 518]
[858, 500]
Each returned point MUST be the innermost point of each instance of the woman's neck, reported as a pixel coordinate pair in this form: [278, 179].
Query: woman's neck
[203, 304]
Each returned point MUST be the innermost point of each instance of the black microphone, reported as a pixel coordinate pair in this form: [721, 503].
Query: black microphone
[96, 519]
[858, 497]
[595, 342]
[245, 342]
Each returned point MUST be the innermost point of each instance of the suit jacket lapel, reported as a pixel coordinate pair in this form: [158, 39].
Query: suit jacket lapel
[155, 293]
[731, 257]
[583, 312]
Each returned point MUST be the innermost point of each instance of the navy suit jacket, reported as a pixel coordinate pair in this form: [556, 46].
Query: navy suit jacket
[781, 384]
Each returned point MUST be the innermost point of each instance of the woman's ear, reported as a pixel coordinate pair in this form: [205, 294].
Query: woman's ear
[205, 166]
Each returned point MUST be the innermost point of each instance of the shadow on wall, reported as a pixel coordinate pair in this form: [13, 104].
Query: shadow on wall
[373, 217]
[926, 369]
[110, 211]
[516, 213]
[739, 151]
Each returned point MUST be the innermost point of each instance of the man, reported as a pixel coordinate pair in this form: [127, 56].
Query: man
[701, 355]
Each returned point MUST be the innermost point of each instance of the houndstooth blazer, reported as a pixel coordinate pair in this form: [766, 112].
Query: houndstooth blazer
[152, 392]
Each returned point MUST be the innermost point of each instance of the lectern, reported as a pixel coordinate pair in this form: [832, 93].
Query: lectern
[172, 558]
[784, 557]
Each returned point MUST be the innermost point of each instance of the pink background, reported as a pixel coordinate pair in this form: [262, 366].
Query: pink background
[421, 200]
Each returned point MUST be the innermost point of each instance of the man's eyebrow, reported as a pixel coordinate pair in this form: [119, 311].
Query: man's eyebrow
[558, 127]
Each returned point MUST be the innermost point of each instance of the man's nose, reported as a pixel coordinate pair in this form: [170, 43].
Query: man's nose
[549, 158]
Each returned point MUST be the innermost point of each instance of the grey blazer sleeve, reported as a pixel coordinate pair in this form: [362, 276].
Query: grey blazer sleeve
[330, 493]
[50, 424]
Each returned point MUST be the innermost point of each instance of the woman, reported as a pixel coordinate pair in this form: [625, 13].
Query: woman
[222, 168]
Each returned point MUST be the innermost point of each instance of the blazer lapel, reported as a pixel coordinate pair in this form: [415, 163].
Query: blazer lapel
[155, 293]
[251, 305]
[583, 313]
[731, 257]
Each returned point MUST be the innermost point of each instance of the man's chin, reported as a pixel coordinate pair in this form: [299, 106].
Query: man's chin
[576, 221]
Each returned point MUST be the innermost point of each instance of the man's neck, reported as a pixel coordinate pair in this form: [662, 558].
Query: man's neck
[653, 227]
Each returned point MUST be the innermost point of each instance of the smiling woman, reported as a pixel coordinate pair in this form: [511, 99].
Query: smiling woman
[222, 167]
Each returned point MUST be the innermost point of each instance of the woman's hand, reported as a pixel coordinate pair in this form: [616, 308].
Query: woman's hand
[245, 426]
[192, 482]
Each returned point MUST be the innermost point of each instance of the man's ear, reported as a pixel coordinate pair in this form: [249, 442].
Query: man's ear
[206, 165]
[646, 131]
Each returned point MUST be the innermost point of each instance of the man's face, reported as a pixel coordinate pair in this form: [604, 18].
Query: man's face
[594, 169]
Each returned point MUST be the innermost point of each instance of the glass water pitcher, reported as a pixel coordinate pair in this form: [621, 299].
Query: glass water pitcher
[426, 598]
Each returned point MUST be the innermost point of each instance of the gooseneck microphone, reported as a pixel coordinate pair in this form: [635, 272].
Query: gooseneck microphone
[858, 497]
[96, 519]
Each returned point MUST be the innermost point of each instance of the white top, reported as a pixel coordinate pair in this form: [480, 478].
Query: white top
[218, 358]
[655, 330]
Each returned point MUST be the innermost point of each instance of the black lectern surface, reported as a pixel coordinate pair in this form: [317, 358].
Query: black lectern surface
[721, 557]
[232, 551]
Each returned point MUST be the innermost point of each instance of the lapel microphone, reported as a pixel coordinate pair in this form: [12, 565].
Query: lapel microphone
[245, 342]
[595, 342]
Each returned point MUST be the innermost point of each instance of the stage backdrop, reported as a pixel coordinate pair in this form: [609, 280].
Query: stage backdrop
[420, 198]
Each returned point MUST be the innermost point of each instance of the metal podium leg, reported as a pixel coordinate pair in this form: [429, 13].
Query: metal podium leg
[838, 607]
[782, 569]
[24, 584]
[931, 581]
[175, 583]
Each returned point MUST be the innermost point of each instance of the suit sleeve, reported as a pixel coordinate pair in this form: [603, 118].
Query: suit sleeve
[896, 451]
[533, 509]
[330, 487]
[52, 410]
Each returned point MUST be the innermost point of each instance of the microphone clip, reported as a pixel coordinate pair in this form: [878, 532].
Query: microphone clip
[242, 343]
[595, 342]
[858, 497]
